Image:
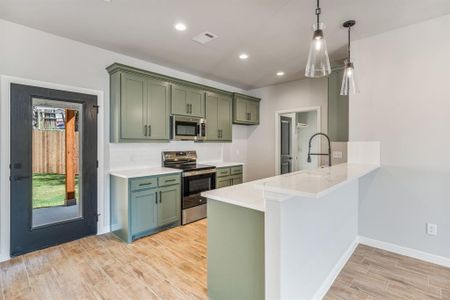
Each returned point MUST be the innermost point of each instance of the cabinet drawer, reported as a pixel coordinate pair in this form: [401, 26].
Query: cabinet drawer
[169, 180]
[236, 179]
[143, 183]
[236, 170]
[221, 172]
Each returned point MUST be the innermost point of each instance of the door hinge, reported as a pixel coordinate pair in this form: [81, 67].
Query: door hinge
[96, 108]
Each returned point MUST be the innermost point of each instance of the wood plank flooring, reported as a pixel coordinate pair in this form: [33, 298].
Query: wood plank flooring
[168, 265]
[172, 265]
[377, 274]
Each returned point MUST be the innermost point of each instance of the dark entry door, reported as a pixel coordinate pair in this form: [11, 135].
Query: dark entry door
[53, 167]
[285, 147]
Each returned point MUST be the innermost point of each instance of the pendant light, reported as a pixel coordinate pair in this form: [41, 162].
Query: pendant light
[318, 61]
[348, 81]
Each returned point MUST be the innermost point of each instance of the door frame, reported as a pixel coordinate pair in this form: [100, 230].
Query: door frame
[278, 114]
[102, 204]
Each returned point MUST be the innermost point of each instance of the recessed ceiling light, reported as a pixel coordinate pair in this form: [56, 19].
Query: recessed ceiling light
[243, 56]
[180, 27]
[281, 73]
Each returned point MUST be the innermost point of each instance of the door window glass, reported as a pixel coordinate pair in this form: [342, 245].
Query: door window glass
[56, 161]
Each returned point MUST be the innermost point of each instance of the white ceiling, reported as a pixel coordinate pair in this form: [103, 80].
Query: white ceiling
[275, 33]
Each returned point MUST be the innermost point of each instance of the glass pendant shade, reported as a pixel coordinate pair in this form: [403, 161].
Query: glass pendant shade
[349, 86]
[318, 61]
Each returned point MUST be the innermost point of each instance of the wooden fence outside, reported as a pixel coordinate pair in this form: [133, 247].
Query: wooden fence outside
[49, 151]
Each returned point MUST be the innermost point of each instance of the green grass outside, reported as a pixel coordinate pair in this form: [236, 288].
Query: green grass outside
[50, 189]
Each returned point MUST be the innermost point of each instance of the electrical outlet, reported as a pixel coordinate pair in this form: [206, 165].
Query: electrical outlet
[337, 154]
[431, 229]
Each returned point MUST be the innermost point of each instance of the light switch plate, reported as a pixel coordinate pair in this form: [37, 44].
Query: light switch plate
[431, 229]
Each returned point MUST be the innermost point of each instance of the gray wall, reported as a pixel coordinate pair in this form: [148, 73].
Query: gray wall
[287, 96]
[405, 104]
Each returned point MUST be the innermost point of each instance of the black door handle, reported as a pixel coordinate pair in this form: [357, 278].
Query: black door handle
[17, 177]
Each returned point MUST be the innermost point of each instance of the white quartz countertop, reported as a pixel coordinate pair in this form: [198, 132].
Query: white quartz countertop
[222, 164]
[315, 183]
[134, 173]
[307, 183]
[245, 195]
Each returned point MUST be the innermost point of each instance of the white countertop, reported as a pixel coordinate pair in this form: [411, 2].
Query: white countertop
[245, 195]
[315, 183]
[133, 173]
[307, 183]
[222, 164]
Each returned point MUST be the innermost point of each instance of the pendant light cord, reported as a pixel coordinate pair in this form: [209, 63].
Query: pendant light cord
[318, 11]
[348, 46]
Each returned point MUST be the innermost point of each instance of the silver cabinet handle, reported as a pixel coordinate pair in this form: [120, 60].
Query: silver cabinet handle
[149, 130]
[160, 197]
[187, 108]
[145, 129]
[156, 197]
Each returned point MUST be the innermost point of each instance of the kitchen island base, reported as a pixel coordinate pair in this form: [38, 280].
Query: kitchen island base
[235, 252]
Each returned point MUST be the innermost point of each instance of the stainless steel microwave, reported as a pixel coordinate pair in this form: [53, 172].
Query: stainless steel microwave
[187, 128]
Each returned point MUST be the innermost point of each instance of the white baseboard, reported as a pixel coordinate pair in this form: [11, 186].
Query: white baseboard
[328, 282]
[432, 258]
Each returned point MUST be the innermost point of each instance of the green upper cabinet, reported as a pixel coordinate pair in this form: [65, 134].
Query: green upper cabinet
[139, 108]
[188, 101]
[245, 109]
[218, 117]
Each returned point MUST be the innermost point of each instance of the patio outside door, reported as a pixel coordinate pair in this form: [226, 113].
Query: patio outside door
[53, 167]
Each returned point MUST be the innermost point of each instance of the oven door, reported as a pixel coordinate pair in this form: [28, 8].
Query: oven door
[193, 186]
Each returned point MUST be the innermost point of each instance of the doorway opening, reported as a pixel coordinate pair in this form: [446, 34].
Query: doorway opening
[53, 167]
[293, 130]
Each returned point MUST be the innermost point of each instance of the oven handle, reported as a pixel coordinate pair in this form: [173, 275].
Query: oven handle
[200, 172]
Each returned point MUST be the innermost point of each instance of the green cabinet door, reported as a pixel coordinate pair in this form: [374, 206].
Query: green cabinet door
[253, 112]
[188, 101]
[223, 182]
[158, 110]
[241, 110]
[225, 116]
[133, 112]
[142, 211]
[196, 103]
[212, 117]
[169, 201]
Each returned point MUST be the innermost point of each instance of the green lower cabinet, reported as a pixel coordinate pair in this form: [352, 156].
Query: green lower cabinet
[228, 176]
[145, 205]
[143, 212]
[168, 205]
[223, 182]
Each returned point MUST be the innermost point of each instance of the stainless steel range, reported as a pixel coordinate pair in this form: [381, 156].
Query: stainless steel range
[196, 179]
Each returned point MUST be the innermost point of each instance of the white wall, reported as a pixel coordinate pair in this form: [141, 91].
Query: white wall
[32, 54]
[287, 96]
[404, 103]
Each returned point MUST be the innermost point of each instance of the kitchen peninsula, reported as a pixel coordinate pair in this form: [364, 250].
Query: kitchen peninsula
[287, 236]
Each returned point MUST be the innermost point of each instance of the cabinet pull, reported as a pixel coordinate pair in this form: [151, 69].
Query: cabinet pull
[149, 130]
[156, 197]
[144, 184]
[187, 108]
[159, 196]
[190, 108]
[145, 129]
[170, 180]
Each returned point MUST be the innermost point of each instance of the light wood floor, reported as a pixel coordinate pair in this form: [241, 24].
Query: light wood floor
[172, 265]
[376, 274]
